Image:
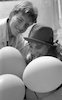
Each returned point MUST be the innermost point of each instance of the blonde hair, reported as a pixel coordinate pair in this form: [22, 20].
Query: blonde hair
[26, 8]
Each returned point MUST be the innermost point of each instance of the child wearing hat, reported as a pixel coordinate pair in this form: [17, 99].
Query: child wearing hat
[41, 43]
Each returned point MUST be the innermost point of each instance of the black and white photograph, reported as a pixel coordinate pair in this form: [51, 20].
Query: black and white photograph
[30, 49]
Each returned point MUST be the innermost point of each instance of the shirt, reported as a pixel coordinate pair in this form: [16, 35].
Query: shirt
[19, 43]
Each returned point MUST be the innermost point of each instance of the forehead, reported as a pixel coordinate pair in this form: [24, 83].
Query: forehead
[36, 44]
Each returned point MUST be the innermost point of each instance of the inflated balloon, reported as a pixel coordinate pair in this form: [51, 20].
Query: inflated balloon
[11, 61]
[11, 87]
[43, 74]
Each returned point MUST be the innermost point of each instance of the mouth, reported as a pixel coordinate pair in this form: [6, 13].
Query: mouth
[20, 31]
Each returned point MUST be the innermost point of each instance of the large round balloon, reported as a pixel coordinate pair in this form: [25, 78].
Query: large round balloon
[43, 74]
[11, 87]
[11, 61]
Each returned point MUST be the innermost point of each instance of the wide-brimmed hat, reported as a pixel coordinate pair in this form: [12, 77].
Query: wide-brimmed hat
[41, 34]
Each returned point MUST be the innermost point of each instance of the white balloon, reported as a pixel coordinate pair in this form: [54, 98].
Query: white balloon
[43, 74]
[11, 61]
[11, 87]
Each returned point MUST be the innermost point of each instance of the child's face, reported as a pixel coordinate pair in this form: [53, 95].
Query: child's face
[38, 49]
[19, 23]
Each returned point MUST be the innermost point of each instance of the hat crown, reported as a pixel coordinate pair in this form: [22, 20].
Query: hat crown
[41, 33]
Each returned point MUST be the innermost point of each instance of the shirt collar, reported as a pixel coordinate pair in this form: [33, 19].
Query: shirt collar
[7, 33]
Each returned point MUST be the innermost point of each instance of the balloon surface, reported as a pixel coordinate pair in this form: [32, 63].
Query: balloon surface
[43, 74]
[11, 61]
[11, 87]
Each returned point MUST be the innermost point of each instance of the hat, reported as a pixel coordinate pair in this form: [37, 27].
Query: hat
[41, 34]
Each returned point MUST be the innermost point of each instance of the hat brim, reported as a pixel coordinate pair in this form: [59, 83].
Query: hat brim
[38, 41]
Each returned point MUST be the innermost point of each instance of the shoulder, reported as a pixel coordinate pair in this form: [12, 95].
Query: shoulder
[3, 26]
[3, 21]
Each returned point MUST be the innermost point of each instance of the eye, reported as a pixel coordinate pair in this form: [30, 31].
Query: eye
[20, 20]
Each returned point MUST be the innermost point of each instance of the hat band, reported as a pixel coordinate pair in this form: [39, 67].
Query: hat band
[35, 40]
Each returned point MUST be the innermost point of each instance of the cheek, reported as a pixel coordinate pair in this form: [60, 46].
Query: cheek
[34, 52]
[13, 22]
[23, 26]
[43, 51]
[12, 25]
